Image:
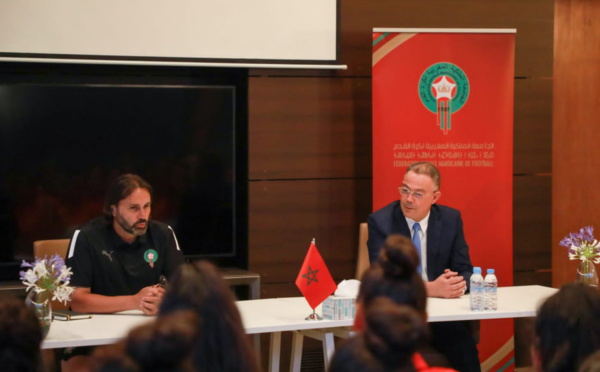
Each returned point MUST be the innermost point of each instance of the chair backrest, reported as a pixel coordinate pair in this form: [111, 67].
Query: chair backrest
[43, 248]
[48, 248]
[362, 263]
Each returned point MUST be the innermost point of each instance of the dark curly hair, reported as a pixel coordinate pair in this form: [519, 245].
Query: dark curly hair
[567, 327]
[392, 334]
[395, 276]
[222, 344]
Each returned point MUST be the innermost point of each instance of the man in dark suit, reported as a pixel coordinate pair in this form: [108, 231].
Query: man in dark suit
[437, 233]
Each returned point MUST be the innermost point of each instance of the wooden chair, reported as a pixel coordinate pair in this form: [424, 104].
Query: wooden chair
[48, 248]
[362, 263]
[43, 248]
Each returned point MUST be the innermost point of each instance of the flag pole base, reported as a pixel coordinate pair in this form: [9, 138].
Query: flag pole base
[313, 317]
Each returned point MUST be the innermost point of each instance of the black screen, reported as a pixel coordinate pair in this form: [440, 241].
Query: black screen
[63, 142]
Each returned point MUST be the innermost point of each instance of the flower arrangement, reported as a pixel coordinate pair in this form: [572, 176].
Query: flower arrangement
[51, 275]
[582, 245]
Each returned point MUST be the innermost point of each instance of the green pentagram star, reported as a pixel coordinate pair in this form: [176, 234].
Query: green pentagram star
[311, 276]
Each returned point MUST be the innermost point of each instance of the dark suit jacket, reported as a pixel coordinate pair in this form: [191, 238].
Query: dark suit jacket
[446, 245]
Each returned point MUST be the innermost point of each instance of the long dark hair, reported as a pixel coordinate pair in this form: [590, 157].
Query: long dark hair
[392, 334]
[222, 344]
[395, 276]
[567, 327]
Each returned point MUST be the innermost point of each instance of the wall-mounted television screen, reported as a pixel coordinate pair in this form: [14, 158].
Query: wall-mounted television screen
[64, 137]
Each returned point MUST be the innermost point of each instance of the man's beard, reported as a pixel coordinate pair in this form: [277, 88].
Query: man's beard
[132, 229]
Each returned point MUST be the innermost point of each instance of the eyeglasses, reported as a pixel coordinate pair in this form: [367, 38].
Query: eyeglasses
[405, 191]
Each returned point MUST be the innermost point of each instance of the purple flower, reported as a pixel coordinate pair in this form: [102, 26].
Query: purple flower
[582, 245]
[589, 231]
[584, 236]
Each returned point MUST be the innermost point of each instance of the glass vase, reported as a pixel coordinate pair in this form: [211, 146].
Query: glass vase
[586, 273]
[42, 307]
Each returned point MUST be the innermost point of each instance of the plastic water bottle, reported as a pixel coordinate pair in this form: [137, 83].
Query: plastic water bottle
[491, 291]
[477, 288]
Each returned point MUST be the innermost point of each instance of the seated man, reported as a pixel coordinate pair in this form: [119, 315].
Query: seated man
[118, 260]
[437, 234]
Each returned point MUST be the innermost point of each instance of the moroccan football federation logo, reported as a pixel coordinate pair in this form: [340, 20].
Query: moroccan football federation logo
[444, 89]
[150, 256]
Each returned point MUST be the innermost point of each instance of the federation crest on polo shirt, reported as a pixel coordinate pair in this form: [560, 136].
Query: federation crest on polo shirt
[151, 256]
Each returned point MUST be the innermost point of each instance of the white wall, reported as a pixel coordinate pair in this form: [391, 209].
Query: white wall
[281, 30]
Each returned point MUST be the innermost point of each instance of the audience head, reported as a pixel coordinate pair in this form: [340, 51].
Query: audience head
[20, 336]
[395, 276]
[160, 346]
[391, 336]
[121, 188]
[222, 344]
[567, 328]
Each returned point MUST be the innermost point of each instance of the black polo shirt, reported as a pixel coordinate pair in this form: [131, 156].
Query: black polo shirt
[109, 266]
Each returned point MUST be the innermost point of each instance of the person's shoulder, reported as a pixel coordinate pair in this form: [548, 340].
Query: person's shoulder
[95, 225]
[445, 210]
[93, 233]
[421, 365]
[160, 227]
[162, 234]
[387, 210]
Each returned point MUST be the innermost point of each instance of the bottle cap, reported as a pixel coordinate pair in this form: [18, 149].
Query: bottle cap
[477, 270]
[490, 271]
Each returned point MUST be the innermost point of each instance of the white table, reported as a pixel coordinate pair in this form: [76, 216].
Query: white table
[278, 315]
[101, 329]
[272, 316]
[513, 302]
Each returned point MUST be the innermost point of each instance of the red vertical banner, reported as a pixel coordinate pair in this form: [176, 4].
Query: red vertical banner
[446, 97]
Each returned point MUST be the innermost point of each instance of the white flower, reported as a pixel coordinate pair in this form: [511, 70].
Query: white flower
[62, 293]
[30, 278]
[48, 275]
[65, 273]
[40, 269]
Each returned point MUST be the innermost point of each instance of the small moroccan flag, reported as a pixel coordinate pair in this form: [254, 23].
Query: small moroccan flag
[314, 280]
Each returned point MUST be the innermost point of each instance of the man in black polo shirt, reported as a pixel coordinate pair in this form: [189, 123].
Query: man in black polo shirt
[118, 260]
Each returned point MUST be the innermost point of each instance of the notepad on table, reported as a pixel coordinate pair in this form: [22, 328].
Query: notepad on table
[69, 315]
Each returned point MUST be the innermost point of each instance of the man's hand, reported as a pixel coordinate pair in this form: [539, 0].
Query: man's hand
[447, 285]
[149, 299]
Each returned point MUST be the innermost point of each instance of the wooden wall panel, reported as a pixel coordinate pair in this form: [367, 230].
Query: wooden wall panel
[576, 130]
[274, 290]
[286, 215]
[531, 223]
[533, 20]
[310, 143]
[309, 127]
[533, 127]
